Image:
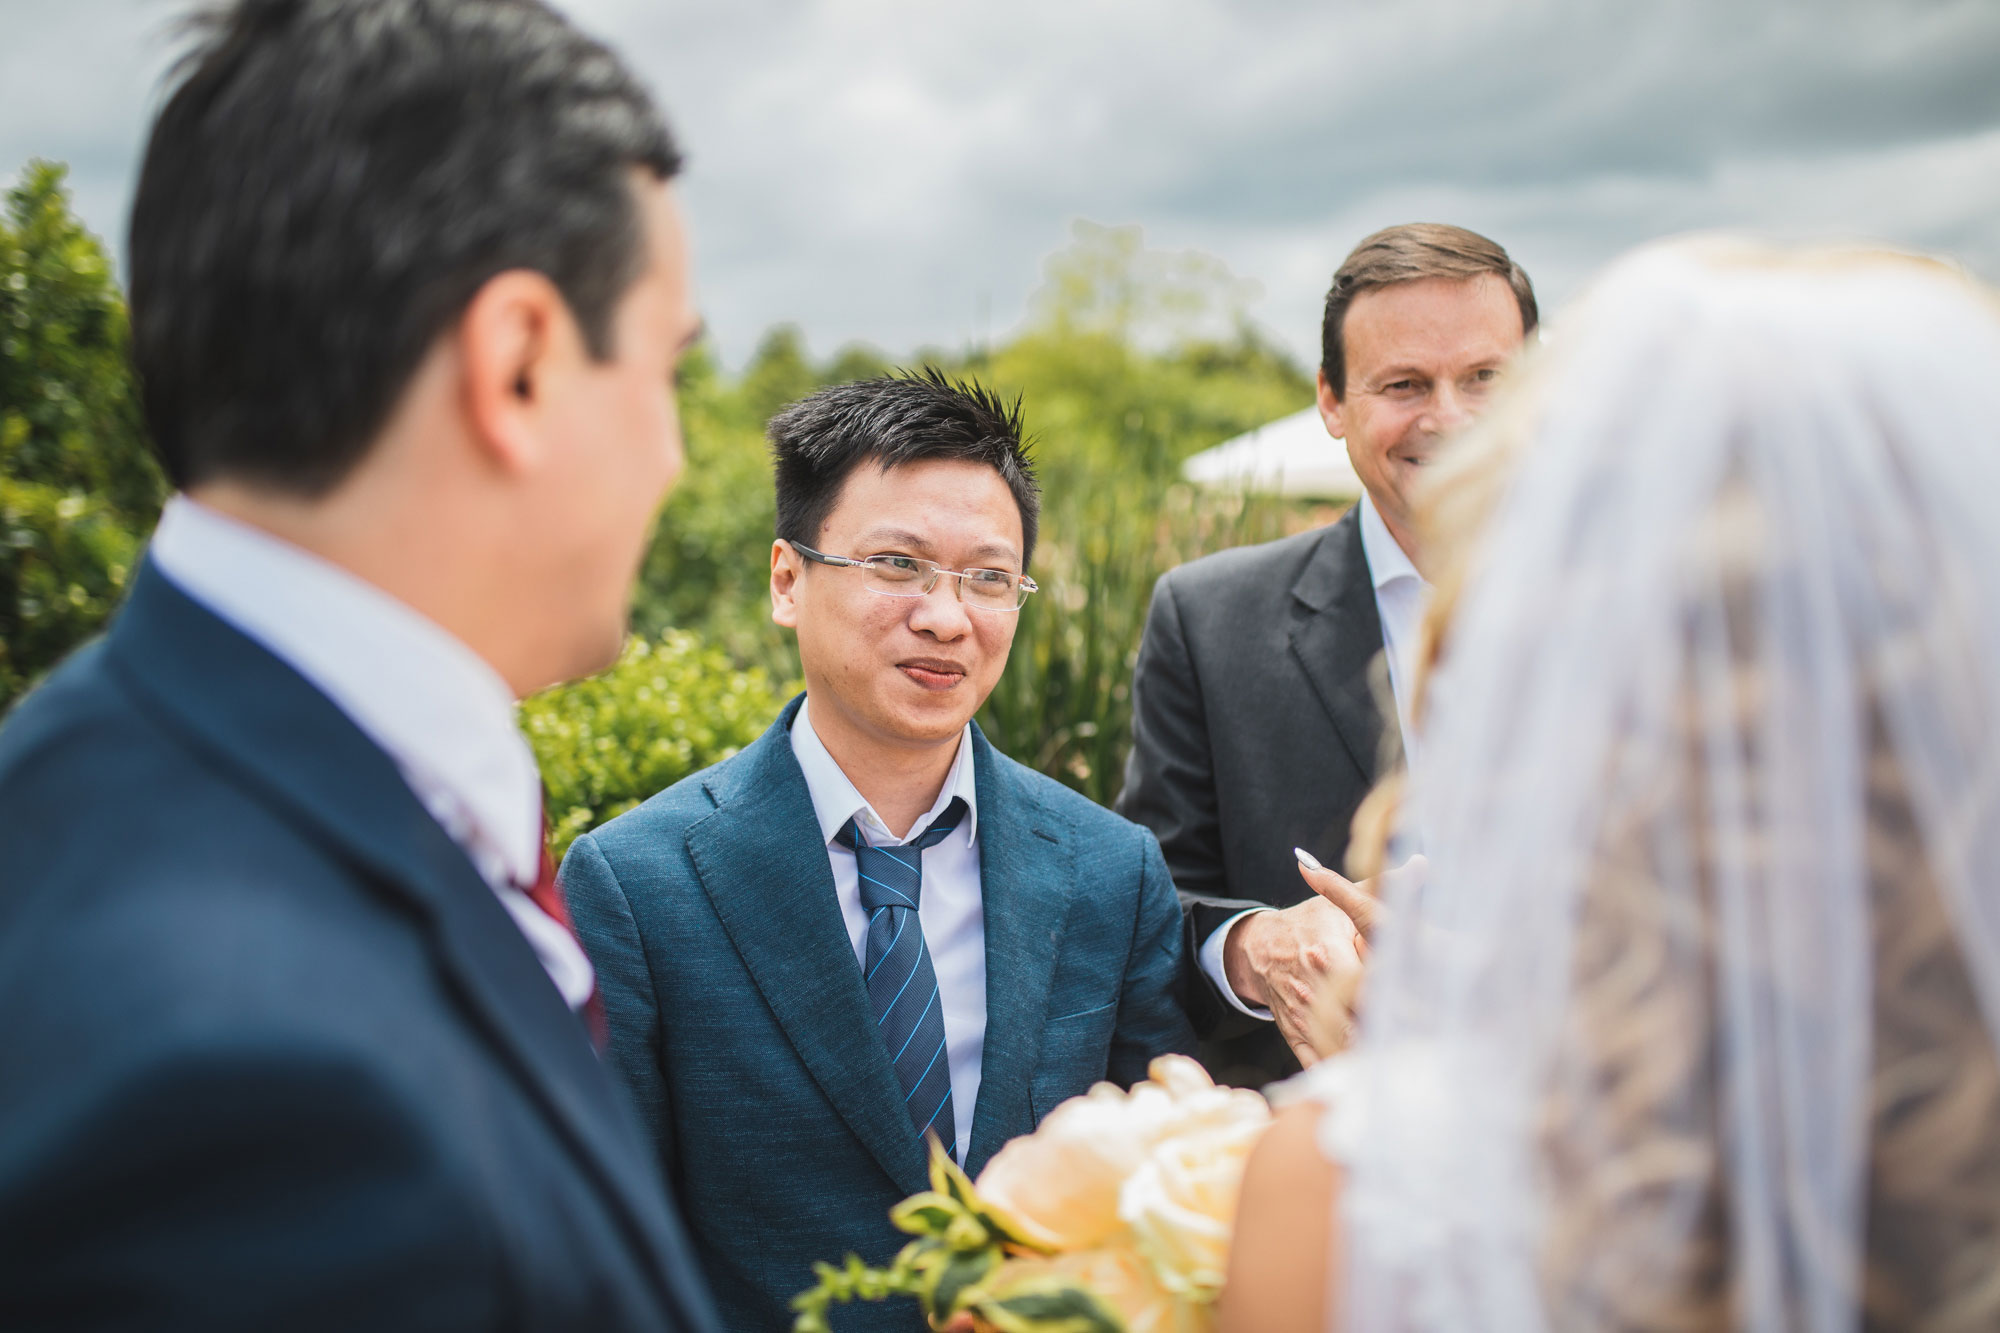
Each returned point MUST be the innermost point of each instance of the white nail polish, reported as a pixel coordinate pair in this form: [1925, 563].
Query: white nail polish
[1307, 859]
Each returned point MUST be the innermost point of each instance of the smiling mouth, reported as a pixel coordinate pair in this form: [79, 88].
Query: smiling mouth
[932, 673]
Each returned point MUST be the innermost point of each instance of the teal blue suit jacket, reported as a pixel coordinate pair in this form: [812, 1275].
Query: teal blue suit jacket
[740, 1022]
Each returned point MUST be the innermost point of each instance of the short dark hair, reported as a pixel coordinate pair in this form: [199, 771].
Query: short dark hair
[911, 417]
[330, 183]
[1410, 253]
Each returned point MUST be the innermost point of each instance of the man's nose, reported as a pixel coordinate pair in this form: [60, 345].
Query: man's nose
[1450, 409]
[939, 612]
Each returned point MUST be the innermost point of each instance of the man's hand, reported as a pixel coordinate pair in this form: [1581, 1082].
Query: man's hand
[1287, 961]
[1305, 963]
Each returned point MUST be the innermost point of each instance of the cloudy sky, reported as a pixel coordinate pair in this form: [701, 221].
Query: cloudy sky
[895, 171]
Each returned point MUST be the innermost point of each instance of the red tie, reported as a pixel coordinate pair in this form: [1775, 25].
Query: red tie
[546, 894]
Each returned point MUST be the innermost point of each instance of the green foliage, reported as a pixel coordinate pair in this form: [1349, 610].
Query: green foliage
[956, 1265]
[709, 566]
[78, 488]
[1134, 360]
[669, 708]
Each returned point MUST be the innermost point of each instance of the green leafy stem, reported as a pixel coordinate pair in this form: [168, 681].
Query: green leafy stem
[956, 1266]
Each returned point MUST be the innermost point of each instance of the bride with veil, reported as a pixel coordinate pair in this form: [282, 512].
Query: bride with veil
[1692, 1025]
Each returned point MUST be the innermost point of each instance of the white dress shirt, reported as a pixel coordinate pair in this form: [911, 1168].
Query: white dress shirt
[1400, 597]
[951, 908]
[435, 707]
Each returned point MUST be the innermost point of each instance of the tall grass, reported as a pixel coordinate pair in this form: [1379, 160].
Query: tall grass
[1064, 704]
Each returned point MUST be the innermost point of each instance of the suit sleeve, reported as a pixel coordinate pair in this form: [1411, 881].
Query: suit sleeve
[1170, 788]
[610, 935]
[244, 1185]
[1151, 1020]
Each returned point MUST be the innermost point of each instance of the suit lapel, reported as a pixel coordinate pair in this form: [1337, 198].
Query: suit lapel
[765, 869]
[1025, 870]
[255, 717]
[1336, 636]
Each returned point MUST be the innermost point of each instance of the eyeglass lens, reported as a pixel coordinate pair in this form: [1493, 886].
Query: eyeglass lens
[905, 576]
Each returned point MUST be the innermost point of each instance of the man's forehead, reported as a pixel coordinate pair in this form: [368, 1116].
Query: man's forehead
[930, 504]
[1434, 315]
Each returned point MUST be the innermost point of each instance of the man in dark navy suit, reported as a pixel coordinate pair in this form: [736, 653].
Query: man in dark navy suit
[296, 1032]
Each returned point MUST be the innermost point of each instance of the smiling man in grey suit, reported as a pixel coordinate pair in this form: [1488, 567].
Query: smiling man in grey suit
[1257, 724]
[871, 927]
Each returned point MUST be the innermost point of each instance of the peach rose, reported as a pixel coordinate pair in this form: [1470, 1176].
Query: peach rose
[1059, 1186]
[1181, 1204]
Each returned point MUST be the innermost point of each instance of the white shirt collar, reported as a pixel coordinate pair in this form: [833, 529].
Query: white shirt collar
[433, 705]
[836, 800]
[1387, 560]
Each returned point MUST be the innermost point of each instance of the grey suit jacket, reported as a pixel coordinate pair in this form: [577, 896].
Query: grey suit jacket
[1258, 726]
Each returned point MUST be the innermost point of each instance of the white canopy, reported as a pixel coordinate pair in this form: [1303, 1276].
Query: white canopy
[1290, 456]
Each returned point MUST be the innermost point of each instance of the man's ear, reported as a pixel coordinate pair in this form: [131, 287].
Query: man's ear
[1330, 408]
[511, 336]
[786, 567]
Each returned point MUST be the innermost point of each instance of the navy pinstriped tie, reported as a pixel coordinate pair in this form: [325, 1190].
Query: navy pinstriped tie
[902, 984]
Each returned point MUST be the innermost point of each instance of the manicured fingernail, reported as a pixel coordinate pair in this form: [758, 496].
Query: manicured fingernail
[1307, 859]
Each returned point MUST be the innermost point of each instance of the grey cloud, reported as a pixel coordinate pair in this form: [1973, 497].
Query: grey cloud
[894, 170]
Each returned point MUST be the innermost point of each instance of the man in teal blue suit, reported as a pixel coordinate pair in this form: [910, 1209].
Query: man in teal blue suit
[871, 929]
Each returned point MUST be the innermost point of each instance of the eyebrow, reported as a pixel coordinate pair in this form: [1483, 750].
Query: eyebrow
[1407, 372]
[904, 537]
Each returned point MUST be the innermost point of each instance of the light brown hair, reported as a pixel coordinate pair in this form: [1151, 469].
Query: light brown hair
[1412, 252]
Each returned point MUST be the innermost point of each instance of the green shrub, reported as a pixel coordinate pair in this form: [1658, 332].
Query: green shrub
[1134, 360]
[670, 707]
[79, 490]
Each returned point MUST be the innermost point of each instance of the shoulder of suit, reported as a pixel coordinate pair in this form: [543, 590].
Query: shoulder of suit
[67, 708]
[669, 811]
[1081, 814]
[1273, 563]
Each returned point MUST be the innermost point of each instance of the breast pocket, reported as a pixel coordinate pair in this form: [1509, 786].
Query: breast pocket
[1076, 1048]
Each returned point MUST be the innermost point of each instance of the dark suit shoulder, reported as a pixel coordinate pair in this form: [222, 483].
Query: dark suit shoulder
[79, 703]
[662, 819]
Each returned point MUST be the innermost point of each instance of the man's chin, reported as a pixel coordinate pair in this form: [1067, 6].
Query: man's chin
[933, 720]
[593, 652]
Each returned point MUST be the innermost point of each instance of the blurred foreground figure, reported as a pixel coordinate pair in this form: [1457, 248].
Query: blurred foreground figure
[297, 1035]
[1694, 1026]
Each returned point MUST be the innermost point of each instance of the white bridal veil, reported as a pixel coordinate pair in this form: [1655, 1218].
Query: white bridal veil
[1693, 1025]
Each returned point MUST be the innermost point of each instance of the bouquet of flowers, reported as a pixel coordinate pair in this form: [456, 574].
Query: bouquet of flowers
[1114, 1216]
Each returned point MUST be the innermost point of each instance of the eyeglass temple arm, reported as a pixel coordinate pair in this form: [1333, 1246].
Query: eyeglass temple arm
[823, 558]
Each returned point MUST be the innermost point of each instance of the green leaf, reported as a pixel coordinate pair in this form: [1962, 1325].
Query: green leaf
[959, 1273]
[1049, 1308]
[925, 1214]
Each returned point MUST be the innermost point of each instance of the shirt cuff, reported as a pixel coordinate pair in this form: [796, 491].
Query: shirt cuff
[1211, 963]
